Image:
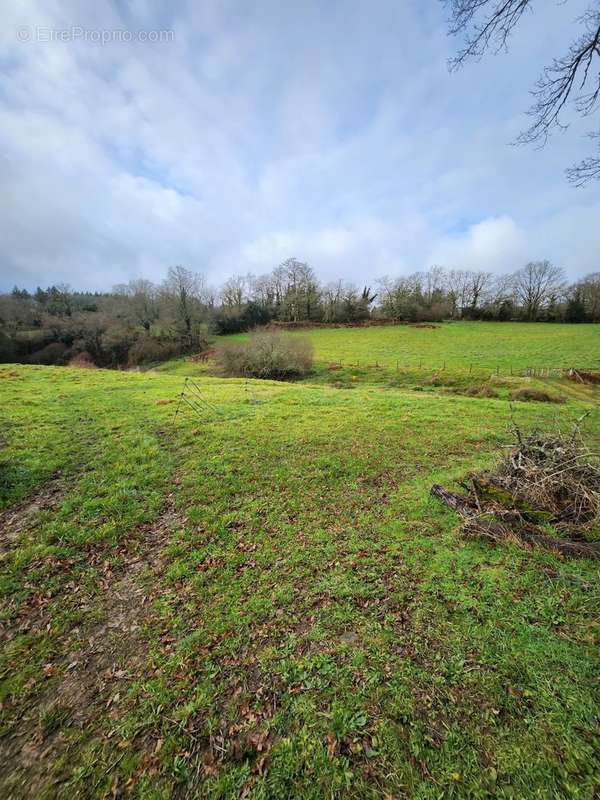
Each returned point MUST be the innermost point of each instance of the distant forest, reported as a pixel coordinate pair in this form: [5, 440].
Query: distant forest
[142, 322]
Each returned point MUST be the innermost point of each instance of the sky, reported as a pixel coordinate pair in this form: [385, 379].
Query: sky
[228, 136]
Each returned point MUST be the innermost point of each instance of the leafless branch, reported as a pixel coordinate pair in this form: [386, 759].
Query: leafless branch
[571, 80]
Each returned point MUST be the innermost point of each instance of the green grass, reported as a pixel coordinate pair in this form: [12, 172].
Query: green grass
[460, 345]
[292, 614]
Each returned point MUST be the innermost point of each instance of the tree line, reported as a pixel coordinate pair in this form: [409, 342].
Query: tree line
[144, 322]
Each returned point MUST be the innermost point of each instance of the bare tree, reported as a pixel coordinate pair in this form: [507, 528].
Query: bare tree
[301, 288]
[332, 298]
[262, 291]
[589, 287]
[457, 284]
[434, 284]
[235, 290]
[535, 285]
[143, 301]
[478, 283]
[570, 80]
[186, 290]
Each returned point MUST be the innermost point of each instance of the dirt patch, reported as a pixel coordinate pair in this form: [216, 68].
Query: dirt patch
[22, 517]
[94, 675]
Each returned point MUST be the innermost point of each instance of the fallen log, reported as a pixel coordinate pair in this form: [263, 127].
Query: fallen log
[463, 505]
[498, 532]
[474, 525]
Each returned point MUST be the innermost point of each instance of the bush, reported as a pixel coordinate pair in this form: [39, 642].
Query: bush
[484, 390]
[148, 350]
[535, 396]
[437, 313]
[7, 349]
[235, 321]
[116, 343]
[54, 353]
[82, 361]
[267, 354]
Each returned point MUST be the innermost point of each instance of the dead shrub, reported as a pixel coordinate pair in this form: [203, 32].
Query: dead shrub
[483, 390]
[82, 361]
[542, 481]
[557, 476]
[535, 396]
[147, 350]
[266, 354]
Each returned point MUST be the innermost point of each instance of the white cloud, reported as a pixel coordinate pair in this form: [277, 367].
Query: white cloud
[263, 132]
[496, 244]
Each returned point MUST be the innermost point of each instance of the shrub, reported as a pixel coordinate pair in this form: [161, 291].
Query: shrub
[54, 353]
[7, 348]
[535, 396]
[437, 313]
[147, 350]
[116, 343]
[484, 390]
[82, 361]
[267, 354]
[236, 320]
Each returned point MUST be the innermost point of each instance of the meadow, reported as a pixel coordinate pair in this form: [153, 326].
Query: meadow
[461, 345]
[258, 598]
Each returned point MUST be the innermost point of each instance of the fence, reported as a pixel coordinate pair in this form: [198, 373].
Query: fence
[192, 397]
[529, 372]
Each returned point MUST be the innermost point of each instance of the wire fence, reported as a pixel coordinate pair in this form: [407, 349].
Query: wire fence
[471, 368]
[192, 397]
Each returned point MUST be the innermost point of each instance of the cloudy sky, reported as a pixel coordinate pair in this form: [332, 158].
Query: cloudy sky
[256, 131]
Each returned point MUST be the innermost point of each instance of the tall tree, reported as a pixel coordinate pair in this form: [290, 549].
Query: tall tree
[234, 292]
[144, 302]
[589, 288]
[536, 284]
[186, 289]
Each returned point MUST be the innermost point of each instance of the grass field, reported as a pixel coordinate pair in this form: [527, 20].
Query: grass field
[460, 345]
[263, 601]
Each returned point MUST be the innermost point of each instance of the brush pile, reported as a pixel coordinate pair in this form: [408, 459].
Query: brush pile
[541, 483]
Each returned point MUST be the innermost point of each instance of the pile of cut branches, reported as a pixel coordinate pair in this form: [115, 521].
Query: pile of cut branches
[541, 483]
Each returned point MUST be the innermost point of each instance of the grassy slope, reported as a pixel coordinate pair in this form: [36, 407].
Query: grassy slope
[313, 626]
